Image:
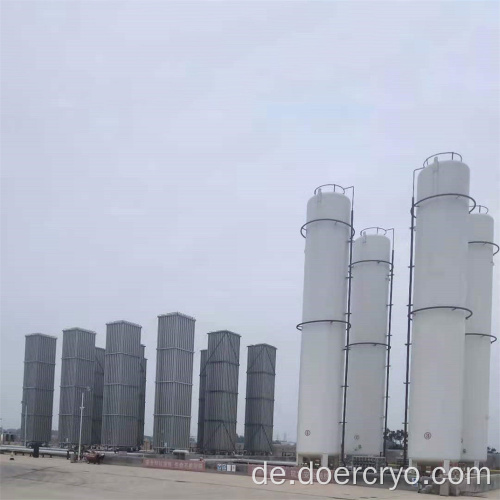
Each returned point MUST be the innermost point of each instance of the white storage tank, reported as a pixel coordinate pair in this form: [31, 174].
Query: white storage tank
[328, 233]
[478, 337]
[439, 312]
[371, 274]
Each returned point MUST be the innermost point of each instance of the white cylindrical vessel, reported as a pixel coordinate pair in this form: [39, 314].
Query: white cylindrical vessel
[323, 327]
[477, 339]
[368, 345]
[439, 296]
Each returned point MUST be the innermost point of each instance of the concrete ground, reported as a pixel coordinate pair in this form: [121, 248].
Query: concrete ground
[54, 478]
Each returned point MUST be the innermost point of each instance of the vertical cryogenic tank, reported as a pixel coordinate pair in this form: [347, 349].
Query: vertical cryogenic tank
[77, 378]
[142, 396]
[221, 395]
[97, 395]
[478, 337]
[259, 410]
[120, 412]
[174, 381]
[439, 311]
[368, 343]
[328, 233]
[38, 388]
[201, 397]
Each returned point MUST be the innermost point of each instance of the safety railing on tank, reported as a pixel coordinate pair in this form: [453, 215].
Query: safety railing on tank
[300, 325]
[453, 308]
[336, 188]
[375, 230]
[303, 232]
[494, 245]
[303, 229]
[484, 335]
[411, 311]
[481, 209]
[453, 154]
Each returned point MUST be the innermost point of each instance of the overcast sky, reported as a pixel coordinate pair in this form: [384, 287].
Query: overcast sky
[158, 156]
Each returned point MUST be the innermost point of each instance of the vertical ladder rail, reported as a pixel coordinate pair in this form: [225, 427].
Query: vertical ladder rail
[389, 335]
[348, 329]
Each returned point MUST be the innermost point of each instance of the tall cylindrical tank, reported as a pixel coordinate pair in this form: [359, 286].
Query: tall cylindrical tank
[77, 378]
[328, 234]
[259, 409]
[38, 388]
[438, 312]
[221, 395]
[120, 412]
[142, 397]
[174, 381]
[371, 270]
[97, 395]
[478, 338]
[201, 398]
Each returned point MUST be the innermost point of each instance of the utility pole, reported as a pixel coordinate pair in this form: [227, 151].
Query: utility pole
[81, 423]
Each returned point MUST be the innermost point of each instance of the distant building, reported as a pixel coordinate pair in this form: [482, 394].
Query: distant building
[8, 437]
[284, 449]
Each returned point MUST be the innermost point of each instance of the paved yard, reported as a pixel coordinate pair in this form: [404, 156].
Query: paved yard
[55, 478]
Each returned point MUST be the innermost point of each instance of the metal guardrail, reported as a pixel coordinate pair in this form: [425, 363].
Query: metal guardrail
[56, 452]
[368, 461]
